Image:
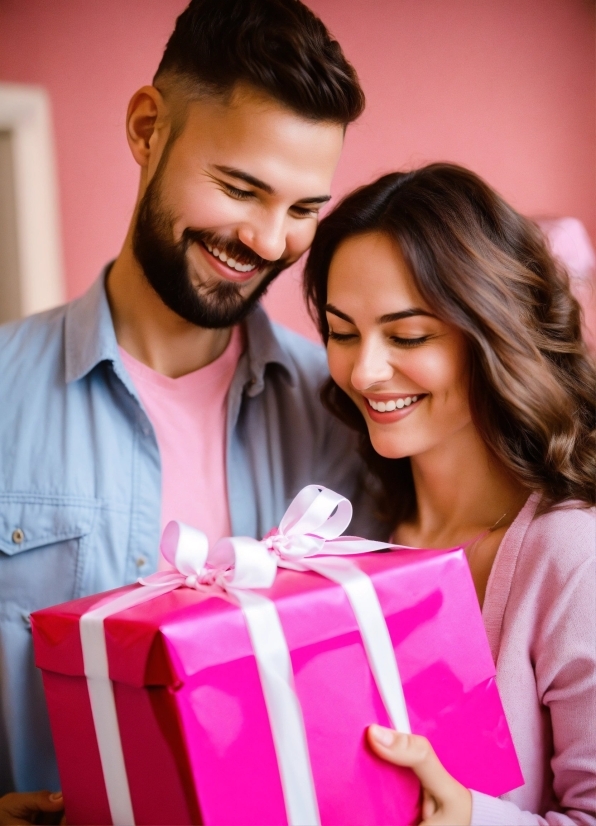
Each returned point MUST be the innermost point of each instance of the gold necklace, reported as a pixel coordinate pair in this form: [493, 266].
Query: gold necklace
[500, 519]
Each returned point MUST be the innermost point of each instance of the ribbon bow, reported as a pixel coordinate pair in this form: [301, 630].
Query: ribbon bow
[308, 538]
[311, 527]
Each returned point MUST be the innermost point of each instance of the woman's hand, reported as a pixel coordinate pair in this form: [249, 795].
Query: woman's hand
[31, 807]
[445, 802]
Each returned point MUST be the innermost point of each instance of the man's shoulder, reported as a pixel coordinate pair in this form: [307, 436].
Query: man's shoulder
[38, 337]
[307, 357]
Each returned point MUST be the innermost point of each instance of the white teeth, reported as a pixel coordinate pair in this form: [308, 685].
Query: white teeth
[231, 262]
[392, 404]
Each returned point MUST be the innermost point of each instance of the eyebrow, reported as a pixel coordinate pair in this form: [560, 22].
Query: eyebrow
[384, 319]
[241, 175]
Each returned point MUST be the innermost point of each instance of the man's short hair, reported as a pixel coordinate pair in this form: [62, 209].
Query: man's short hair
[278, 47]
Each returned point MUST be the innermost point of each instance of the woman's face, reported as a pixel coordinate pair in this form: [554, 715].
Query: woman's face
[405, 369]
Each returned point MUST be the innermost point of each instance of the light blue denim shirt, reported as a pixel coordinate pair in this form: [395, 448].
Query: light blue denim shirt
[80, 480]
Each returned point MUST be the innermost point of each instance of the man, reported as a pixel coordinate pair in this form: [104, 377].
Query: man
[165, 392]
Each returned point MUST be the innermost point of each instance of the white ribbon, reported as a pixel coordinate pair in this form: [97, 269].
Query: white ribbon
[308, 538]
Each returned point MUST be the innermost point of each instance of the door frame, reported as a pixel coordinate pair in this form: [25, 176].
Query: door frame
[25, 114]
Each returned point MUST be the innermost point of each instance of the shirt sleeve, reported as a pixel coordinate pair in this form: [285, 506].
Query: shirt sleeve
[492, 811]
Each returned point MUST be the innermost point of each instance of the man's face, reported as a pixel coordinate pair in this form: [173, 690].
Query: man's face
[233, 200]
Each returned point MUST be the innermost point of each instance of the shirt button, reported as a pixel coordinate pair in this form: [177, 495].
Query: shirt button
[17, 536]
[141, 561]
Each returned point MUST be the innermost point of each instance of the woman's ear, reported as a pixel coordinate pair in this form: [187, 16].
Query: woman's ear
[144, 119]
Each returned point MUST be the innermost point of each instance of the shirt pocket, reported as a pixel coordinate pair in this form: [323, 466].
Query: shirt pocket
[44, 542]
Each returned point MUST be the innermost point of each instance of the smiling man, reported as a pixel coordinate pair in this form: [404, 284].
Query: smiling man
[165, 391]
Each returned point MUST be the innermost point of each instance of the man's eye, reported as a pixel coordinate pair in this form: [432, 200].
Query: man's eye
[305, 212]
[341, 336]
[409, 342]
[239, 194]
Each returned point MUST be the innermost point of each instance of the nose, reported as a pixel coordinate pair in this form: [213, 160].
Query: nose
[371, 366]
[265, 235]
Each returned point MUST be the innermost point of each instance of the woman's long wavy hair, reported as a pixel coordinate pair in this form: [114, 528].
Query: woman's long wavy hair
[486, 270]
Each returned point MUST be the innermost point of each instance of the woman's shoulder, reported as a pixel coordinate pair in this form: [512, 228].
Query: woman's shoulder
[559, 540]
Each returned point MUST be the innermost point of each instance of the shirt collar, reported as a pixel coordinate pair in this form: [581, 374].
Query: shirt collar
[264, 348]
[90, 339]
[89, 331]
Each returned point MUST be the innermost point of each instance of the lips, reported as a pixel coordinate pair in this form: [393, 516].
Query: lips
[392, 408]
[222, 268]
[228, 260]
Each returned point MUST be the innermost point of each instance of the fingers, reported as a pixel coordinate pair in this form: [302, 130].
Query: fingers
[445, 801]
[416, 753]
[23, 807]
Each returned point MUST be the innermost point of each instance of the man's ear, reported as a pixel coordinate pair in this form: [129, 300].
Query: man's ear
[144, 119]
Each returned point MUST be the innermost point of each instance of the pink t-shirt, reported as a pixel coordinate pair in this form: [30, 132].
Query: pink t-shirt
[188, 415]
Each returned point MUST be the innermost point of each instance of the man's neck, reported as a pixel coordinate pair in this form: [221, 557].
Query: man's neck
[152, 333]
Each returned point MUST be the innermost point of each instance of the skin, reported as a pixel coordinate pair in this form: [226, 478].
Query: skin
[247, 170]
[387, 343]
[31, 807]
[204, 187]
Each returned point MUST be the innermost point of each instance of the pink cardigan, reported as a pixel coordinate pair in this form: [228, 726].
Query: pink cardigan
[540, 617]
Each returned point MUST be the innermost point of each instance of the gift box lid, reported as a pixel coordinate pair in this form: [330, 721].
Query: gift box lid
[155, 643]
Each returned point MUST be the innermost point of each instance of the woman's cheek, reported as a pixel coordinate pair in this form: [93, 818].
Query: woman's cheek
[338, 368]
[339, 365]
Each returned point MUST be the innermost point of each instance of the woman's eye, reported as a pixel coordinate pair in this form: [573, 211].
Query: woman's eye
[409, 342]
[341, 336]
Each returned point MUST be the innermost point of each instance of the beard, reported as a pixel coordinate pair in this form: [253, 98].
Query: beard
[164, 262]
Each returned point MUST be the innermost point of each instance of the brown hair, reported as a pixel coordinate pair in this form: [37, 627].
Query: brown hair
[486, 270]
[276, 46]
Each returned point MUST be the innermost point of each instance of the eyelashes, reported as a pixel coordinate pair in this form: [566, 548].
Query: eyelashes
[407, 343]
[245, 195]
[341, 336]
[239, 194]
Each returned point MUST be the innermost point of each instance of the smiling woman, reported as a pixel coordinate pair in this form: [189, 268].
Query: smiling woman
[435, 262]
[455, 350]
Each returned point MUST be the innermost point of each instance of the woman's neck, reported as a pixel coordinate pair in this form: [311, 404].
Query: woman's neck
[461, 491]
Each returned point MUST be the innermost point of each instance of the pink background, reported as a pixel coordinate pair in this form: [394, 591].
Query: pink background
[505, 87]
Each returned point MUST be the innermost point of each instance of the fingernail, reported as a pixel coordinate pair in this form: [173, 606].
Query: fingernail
[55, 796]
[382, 735]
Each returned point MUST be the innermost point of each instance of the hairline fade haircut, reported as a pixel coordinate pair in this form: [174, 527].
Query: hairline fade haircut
[486, 270]
[275, 47]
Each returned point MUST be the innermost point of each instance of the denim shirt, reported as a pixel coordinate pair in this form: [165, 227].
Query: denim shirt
[80, 480]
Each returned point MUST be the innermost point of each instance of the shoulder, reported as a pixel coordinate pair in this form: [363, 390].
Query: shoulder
[307, 357]
[542, 558]
[29, 343]
[555, 568]
[560, 540]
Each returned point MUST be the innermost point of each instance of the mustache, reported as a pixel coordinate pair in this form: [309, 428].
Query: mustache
[232, 247]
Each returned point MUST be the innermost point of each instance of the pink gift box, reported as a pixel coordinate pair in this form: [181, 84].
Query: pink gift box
[194, 725]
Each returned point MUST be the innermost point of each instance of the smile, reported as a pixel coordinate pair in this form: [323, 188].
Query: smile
[390, 410]
[392, 404]
[228, 261]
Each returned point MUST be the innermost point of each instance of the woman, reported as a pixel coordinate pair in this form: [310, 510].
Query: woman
[455, 349]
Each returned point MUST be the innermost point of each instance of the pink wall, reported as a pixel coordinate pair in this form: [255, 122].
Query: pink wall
[505, 87]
